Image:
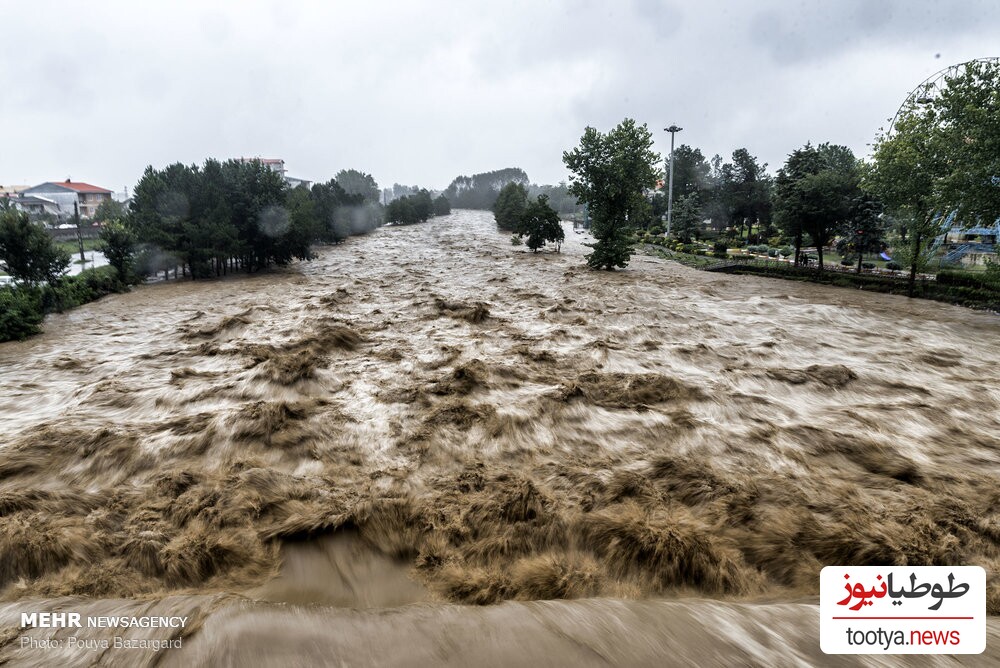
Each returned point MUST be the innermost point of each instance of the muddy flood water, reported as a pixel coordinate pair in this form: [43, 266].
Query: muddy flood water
[429, 447]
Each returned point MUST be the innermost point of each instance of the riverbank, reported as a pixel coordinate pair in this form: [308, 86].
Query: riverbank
[23, 309]
[954, 289]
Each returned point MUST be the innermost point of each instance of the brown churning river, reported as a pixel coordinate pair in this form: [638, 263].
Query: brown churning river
[427, 446]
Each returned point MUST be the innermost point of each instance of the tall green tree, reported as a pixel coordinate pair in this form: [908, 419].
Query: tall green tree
[540, 224]
[415, 208]
[118, 246]
[508, 210]
[27, 251]
[692, 173]
[966, 130]
[864, 232]
[107, 210]
[905, 170]
[687, 217]
[815, 193]
[423, 205]
[332, 224]
[355, 182]
[203, 217]
[941, 157]
[442, 207]
[745, 192]
[611, 174]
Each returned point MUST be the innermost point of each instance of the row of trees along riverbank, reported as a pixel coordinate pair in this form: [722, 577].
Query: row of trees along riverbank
[235, 215]
[203, 221]
[935, 165]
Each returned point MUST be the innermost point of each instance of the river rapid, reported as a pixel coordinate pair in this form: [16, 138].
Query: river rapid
[430, 447]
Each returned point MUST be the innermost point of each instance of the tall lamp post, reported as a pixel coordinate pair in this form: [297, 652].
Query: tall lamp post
[673, 129]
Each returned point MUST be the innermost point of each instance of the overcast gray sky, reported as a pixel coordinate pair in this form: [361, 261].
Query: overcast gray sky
[419, 92]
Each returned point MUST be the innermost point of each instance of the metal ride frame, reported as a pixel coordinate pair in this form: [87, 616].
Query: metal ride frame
[925, 91]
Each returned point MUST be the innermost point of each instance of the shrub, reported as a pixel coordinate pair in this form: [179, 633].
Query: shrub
[968, 279]
[772, 252]
[846, 262]
[776, 241]
[86, 286]
[785, 251]
[868, 265]
[20, 313]
[656, 229]
[895, 266]
[719, 249]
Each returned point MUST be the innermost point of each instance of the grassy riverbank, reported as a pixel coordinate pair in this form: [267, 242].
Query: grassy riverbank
[963, 288]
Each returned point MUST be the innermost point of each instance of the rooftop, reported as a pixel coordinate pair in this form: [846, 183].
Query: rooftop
[82, 187]
[76, 186]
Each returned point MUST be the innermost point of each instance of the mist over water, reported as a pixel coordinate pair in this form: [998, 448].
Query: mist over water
[427, 415]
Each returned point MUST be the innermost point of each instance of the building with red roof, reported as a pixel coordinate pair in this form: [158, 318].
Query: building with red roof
[67, 194]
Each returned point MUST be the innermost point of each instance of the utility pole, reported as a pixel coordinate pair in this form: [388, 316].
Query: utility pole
[673, 129]
[79, 235]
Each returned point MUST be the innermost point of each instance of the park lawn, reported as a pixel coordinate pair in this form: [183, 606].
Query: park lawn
[74, 246]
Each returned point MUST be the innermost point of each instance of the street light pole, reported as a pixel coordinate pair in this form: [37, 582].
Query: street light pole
[673, 129]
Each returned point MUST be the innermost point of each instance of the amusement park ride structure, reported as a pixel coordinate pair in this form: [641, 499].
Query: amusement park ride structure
[959, 242]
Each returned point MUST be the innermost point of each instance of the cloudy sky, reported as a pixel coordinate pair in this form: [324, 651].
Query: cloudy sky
[419, 92]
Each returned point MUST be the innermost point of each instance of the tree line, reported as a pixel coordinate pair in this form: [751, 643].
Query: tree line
[937, 164]
[416, 208]
[204, 220]
[480, 191]
[237, 214]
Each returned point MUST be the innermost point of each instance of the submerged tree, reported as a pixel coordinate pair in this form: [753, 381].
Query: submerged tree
[415, 208]
[540, 224]
[442, 207]
[355, 182]
[207, 217]
[510, 206]
[611, 174]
